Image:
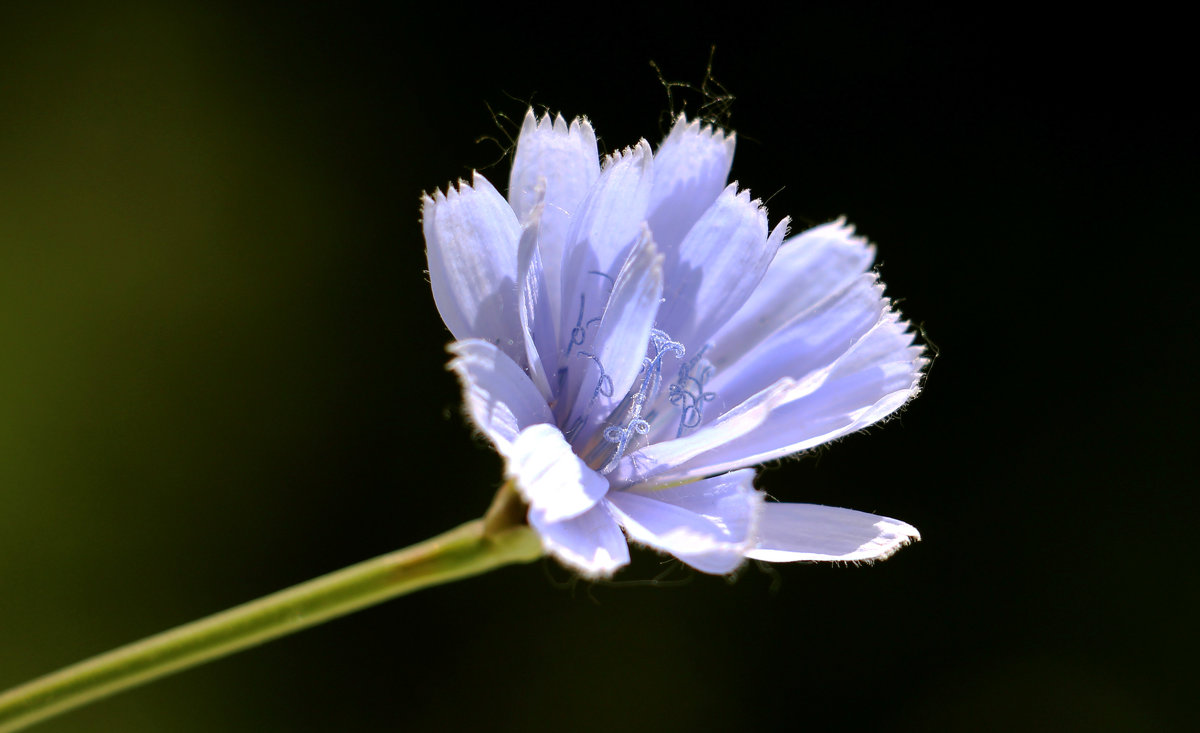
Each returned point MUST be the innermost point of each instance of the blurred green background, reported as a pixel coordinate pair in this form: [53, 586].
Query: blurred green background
[222, 372]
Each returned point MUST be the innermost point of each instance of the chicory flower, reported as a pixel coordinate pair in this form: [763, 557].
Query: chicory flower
[632, 337]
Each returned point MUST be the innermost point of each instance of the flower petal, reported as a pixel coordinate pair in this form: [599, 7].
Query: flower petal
[812, 341]
[499, 396]
[565, 162]
[471, 242]
[792, 532]
[716, 267]
[591, 543]
[690, 169]
[873, 379]
[807, 269]
[610, 218]
[660, 462]
[608, 224]
[553, 480]
[537, 318]
[708, 524]
[620, 341]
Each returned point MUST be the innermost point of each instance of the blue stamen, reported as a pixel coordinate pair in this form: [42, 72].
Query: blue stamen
[604, 387]
[611, 282]
[578, 331]
[688, 391]
[661, 344]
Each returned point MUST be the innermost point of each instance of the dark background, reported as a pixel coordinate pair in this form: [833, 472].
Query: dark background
[222, 371]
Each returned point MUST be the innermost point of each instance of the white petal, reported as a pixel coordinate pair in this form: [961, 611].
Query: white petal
[553, 480]
[538, 322]
[621, 338]
[873, 379]
[499, 396]
[591, 543]
[690, 169]
[708, 524]
[564, 160]
[808, 269]
[471, 242]
[792, 532]
[716, 267]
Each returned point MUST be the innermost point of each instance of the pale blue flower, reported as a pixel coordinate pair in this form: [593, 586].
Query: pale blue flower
[632, 337]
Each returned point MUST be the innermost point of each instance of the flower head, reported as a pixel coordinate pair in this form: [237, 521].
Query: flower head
[632, 336]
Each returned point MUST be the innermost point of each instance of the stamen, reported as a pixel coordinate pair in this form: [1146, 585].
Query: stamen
[611, 282]
[661, 344]
[604, 387]
[578, 331]
[688, 391]
[579, 338]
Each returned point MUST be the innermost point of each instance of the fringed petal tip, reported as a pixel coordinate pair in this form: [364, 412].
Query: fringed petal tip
[471, 245]
[816, 533]
[454, 190]
[888, 348]
[742, 195]
[843, 232]
[904, 534]
[780, 231]
[893, 535]
[844, 229]
[734, 190]
[639, 154]
[841, 236]
[697, 127]
[916, 355]
[902, 335]
[557, 124]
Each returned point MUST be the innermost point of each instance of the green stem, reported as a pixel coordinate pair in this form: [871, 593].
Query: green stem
[460, 553]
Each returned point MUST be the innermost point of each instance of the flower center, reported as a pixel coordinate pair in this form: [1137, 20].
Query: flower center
[651, 380]
[635, 417]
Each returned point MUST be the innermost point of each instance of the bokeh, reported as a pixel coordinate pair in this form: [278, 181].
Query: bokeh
[222, 372]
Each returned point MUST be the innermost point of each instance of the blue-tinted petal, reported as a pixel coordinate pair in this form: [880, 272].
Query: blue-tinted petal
[471, 241]
[538, 322]
[562, 160]
[666, 461]
[807, 269]
[690, 169]
[591, 543]
[619, 345]
[499, 396]
[716, 267]
[708, 524]
[795, 532]
[873, 379]
[608, 224]
[812, 341]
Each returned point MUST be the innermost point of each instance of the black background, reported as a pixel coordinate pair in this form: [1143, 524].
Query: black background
[223, 371]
